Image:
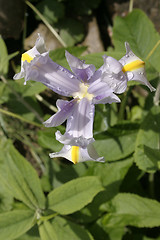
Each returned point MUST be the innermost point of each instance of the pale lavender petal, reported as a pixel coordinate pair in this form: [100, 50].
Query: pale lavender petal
[129, 56]
[137, 73]
[38, 49]
[84, 154]
[83, 71]
[81, 121]
[117, 82]
[65, 109]
[102, 93]
[60, 80]
[68, 139]
[112, 75]
[106, 99]
[79, 129]
[111, 65]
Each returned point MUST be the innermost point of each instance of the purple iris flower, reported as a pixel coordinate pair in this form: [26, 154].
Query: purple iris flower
[83, 84]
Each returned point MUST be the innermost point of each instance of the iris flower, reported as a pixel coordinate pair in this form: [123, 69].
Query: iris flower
[83, 84]
[117, 73]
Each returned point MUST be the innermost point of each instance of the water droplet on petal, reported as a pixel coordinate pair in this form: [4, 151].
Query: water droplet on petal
[130, 75]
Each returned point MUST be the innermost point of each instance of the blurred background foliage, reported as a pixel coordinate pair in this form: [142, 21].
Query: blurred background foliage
[42, 198]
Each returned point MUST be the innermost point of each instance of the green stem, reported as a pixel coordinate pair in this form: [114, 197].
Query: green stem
[50, 106]
[14, 115]
[123, 105]
[131, 5]
[151, 184]
[46, 23]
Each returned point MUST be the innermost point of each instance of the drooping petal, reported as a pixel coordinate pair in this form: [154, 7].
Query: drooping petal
[65, 109]
[77, 154]
[79, 129]
[134, 68]
[113, 75]
[102, 93]
[28, 56]
[57, 78]
[83, 71]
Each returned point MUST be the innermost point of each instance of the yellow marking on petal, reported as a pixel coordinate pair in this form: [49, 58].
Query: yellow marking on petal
[133, 66]
[75, 154]
[26, 57]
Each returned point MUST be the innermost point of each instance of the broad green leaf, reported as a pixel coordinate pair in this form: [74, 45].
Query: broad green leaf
[3, 57]
[74, 195]
[147, 149]
[131, 209]
[52, 10]
[33, 88]
[71, 31]
[117, 142]
[46, 139]
[6, 199]
[15, 223]
[47, 231]
[66, 229]
[111, 176]
[20, 178]
[137, 29]
[83, 7]
[58, 55]
[32, 234]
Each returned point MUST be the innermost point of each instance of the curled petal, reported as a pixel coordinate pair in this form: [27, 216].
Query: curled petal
[68, 139]
[65, 109]
[102, 92]
[83, 71]
[28, 56]
[111, 65]
[57, 78]
[113, 75]
[77, 154]
[134, 68]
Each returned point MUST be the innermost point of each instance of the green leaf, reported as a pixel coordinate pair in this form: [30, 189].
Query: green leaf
[66, 229]
[32, 234]
[117, 142]
[33, 88]
[46, 139]
[52, 10]
[71, 31]
[74, 195]
[47, 231]
[15, 223]
[3, 57]
[131, 209]
[148, 142]
[137, 29]
[116, 172]
[20, 178]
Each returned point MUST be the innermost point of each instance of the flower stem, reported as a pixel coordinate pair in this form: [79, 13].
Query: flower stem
[46, 23]
[153, 50]
[50, 106]
[131, 5]
[14, 115]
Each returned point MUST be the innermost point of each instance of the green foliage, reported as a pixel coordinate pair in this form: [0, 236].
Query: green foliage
[20, 178]
[130, 209]
[147, 152]
[15, 223]
[74, 195]
[54, 199]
